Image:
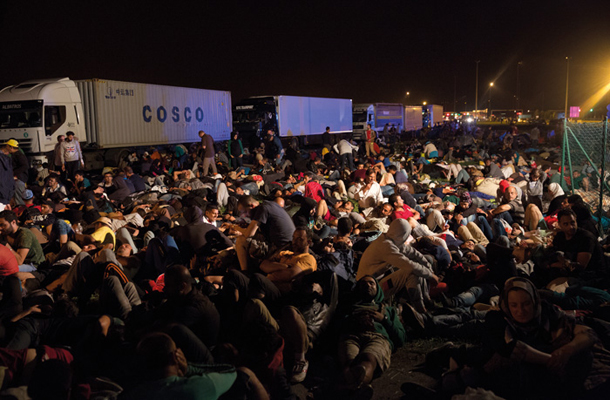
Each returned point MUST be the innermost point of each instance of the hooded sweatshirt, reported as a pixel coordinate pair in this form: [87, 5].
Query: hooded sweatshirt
[390, 250]
[391, 327]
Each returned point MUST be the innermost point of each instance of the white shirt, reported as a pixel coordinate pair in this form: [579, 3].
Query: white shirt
[369, 198]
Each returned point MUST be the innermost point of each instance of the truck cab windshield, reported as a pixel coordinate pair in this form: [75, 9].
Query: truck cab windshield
[24, 114]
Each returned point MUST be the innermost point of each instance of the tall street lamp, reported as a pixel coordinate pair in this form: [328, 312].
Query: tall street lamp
[476, 88]
[491, 85]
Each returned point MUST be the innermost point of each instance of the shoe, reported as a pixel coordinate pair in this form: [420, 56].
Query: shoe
[439, 357]
[414, 319]
[446, 301]
[299, 371]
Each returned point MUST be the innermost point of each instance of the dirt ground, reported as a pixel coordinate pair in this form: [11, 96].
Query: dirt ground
[323, 374]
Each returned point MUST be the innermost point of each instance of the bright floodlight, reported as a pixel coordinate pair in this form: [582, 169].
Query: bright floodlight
[491, 84]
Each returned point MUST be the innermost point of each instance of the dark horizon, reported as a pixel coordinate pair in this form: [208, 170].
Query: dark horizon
[366, 52]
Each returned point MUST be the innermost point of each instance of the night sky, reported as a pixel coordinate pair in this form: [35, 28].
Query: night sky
[364, 50]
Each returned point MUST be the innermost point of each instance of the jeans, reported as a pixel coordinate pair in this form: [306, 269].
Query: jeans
[462, 176]
[237, 162]
[347, 161]
[469, 297]
[27, 268]
[483, 224]
[252, 187]
[387, 191]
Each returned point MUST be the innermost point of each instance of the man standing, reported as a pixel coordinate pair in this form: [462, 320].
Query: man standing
[71, 155]
[274, 148]
[207, 151]
[7, 182]
[57, 154]
[370, 137]
[21, 168]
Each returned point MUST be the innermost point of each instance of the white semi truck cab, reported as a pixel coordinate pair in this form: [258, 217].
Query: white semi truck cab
[36, 112]
[109, 118]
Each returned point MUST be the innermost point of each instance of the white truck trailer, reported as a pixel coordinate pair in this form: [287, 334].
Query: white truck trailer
[109, 116]
[291, 116]
[413, 118]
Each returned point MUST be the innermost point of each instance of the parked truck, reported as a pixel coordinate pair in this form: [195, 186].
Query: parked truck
[378, 115]
[413, 118]
[291, 116]
[110, 117]
[433, 115]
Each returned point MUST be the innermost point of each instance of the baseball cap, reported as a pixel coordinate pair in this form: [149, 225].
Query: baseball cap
[28, 195]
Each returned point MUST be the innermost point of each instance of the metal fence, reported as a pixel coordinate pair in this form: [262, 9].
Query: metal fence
[585, 150]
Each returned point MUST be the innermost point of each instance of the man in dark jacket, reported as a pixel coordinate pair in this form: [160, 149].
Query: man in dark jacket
[186, 305]
[7, 182]
[20, 169]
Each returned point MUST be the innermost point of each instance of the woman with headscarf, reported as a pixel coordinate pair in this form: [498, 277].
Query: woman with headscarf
[554, 198]
[538, 350]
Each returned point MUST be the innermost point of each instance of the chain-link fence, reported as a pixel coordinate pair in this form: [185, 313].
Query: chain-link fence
[585, 154]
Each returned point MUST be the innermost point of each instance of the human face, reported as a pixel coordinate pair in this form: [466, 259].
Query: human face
[399, 202]
[511, 193]
[468, 245]
[52, 182]
[212, 214]
[108, 178]
[69, 138]
[7, 228]
[371, 178]
[368, 287]
[568, 225]
[387, 209]
[300, 241]
[521, 306]
[124, 250]
[348, 206]
[45, 209]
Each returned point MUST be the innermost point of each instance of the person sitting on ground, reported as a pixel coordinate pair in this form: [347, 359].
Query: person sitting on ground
[276, 229]
[537, 349]
[169, 376]
[397, 265]
[401, 210]
[371, 332]
[21, 241]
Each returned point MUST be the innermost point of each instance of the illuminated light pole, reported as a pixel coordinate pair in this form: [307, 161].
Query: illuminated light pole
[476, 88]
[491, 85]
[519, 64]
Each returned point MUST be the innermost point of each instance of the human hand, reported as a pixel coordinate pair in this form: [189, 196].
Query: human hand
[378, 316]
[559, 360]
[434, 280]
[182, 363]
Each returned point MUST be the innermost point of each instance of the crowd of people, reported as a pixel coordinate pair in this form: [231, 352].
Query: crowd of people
[216, 270]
